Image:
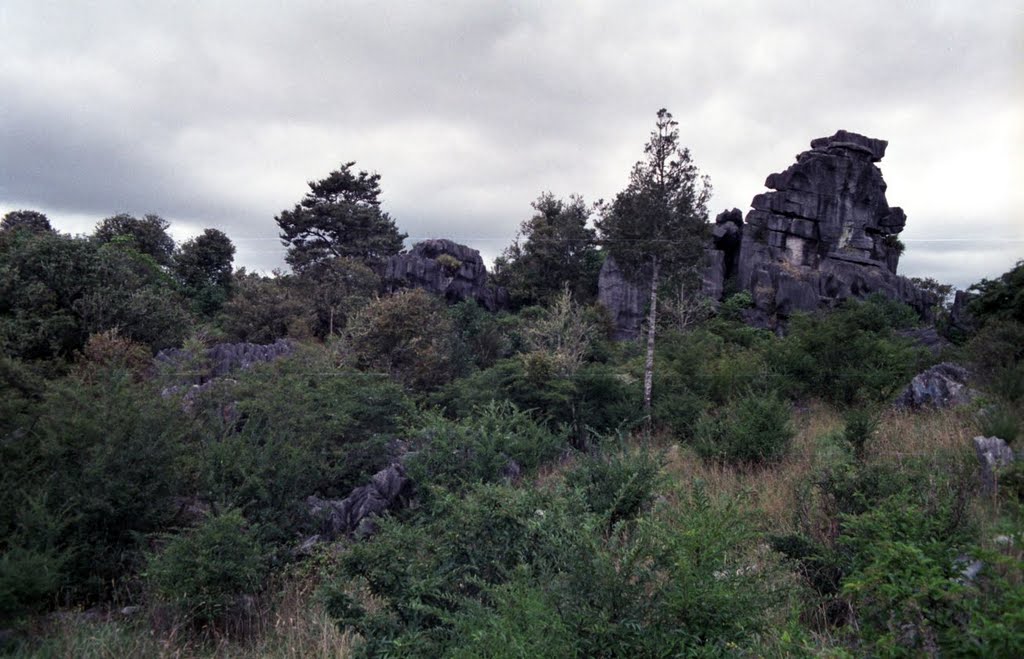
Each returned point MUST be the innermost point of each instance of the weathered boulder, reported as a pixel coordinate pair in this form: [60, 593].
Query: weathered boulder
[353, 516]
[993, 454]
[223, 358]
[445, 268]
[825, 233]
[927, 337]
[943, 385]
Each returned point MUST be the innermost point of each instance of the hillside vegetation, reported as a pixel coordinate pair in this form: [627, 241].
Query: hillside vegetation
[771, 500]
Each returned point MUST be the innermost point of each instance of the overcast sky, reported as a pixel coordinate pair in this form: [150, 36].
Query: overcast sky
[217, 113]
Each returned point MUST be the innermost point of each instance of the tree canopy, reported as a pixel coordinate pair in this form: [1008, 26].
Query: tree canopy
[147, 235]
[25, 220]
[655, 228]
[554, 248]
[340, 216]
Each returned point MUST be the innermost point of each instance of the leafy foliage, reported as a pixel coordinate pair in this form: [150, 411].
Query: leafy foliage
[1000, 299]
[497, 442]
[754, 429]
[264, 309]
[408, 336]
[340, 216]
[203, 266]
[147, 235]
[203, 572]
[554, 250]
[25, 220]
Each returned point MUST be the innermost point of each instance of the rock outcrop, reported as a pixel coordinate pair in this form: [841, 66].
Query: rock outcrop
[222, 358]
[993, 454]
[942, 386]
[624, 300]
[445, 268]
[825, 234]
[354, 515]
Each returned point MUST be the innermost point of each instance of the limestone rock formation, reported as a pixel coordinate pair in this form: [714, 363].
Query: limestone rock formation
[223, 358]
[624, 299]
[993, 454]
[353, 516]
[445, 268]
[826, 233]
[943, 385]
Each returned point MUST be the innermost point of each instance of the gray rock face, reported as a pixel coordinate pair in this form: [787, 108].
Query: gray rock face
[993, 454]
[445, 268]
[943, 385]
[223, 358]
[624, 300]
[354, 515]
[825, 234]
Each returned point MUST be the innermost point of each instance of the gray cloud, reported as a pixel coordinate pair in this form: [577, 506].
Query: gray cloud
[215, 114]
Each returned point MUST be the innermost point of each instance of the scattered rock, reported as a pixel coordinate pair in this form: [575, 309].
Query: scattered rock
[445, 268]
[993, 455]
[942, 386]
[353, 516]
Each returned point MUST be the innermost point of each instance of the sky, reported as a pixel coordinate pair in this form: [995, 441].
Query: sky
[216, 114]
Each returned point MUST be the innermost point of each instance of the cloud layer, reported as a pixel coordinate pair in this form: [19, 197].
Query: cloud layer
[215, 114]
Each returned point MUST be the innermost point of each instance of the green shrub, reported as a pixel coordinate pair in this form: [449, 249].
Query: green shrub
[408, 335]
[291, 428]
[754, 429]
[860, 425]
[616, 484]
[850, 355]
[203, 571]
[481, 447]
[507, 567]
[101, 463]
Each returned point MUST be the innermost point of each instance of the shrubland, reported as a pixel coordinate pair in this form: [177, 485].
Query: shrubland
[772, 503]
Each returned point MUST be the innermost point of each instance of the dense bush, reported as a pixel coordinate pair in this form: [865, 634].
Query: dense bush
[851, 355]
[292, 428]
[616, 484]
[497, 441]
[99, 467]
[409, 336]
[751, 430]
[471, 577]
[203, 571]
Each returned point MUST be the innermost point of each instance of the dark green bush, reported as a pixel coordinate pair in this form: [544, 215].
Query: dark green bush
[101, 461]
[476, 573]
[754, 429]
[847, 356]
[859, 426]
[291, 428]
[616, 484]
[203, 571]
[481, 448]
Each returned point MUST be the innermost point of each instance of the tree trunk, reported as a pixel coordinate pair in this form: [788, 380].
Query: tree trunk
[652, 319]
